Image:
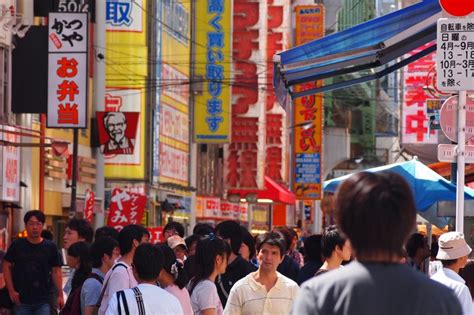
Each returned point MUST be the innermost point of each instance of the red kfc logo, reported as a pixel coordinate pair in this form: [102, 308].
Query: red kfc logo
[457, 7]
[117, 132]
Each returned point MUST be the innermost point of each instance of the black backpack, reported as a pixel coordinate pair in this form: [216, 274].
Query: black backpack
[73, 303]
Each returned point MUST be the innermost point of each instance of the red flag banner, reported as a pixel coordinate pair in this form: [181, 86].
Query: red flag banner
[89, 205]
[125, 208]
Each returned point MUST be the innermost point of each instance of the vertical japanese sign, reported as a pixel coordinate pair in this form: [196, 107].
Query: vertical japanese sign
[124, 15]
[89, 205]
[156, 114]
[67, 74]
[308, 113]
[10, 167]
[212, 107]
[125, 208]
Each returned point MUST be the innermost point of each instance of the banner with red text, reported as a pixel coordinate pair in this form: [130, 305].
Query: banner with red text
[125, 208]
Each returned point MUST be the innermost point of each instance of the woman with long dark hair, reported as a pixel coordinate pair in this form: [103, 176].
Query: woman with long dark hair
[173, 278]
[211, 260]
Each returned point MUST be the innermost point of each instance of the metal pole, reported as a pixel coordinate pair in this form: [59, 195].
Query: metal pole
[75, 147]
[461, 159]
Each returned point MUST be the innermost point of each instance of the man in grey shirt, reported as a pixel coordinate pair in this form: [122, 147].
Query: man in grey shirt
[376, 211]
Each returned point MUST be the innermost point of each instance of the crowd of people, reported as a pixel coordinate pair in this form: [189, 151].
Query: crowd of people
[227, 270]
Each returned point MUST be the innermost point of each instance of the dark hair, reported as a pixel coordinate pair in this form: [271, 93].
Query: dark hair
[331, 238]
[206, 252]
[34, 213]
[434, 248]
[191, 239]
[46, 234]
[106, 231]
[82, 227]
[467, 273]
[448, 262]
[147, 262]
[272, 238]
[80, 250]
[287, 235]
[248, 240]
[173, 225]
[203, 229]
[415, 241]
[230, 230]
[376, 211]
[103, 245]
[128, 234]
[312, 248]
[169, 259]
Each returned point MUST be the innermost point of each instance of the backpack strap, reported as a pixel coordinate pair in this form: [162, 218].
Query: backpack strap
[139, 298]
[104, 288]
[121, 296]
[97, 277]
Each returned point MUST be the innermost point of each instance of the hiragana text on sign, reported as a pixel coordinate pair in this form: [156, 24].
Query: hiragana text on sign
[455, 54]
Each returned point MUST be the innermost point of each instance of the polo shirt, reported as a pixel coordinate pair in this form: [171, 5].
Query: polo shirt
[454, 281]
[235, 271]
[250, 297]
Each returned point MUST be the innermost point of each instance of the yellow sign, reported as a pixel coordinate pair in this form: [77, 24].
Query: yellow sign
[213, 69]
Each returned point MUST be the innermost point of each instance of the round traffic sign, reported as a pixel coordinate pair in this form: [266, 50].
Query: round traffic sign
[448, 118]
[457, 7]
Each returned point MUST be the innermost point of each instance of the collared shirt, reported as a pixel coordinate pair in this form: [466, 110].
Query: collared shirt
[235, 271]
[90, 290]
[250, 297]
[454, 281]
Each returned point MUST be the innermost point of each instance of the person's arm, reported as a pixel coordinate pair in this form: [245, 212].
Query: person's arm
[209, 311]
[58, 283]
[90, 293]
[7, 273]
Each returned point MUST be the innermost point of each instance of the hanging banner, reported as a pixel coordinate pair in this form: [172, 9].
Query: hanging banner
[117, 132]
[89, 205]
[125, 208]
[67, 74]
[156, 234]
[10, 164]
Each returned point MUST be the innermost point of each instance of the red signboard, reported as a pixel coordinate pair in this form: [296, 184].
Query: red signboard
[125, 208]
[117, 132]
[156, 234]
[89, 205]
[457, 7]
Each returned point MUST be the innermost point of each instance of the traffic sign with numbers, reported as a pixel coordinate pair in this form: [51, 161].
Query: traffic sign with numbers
[449, 122]
[448, 153]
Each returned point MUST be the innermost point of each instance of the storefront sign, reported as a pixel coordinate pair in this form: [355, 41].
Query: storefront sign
[174, 164]
[176, 19]
[244, 212]
[124, 15]
[156, 234]
[10, 167]
[125, 208]
[67, 75]
[89, 205]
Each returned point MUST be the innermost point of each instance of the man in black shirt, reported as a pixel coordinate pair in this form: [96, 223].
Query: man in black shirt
[28, 266]
[238, 267]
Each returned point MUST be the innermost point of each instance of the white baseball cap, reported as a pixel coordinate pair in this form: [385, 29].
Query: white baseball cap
[452, 245]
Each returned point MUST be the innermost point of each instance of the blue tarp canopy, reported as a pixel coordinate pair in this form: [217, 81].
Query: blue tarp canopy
[367, 46]
[428, 187]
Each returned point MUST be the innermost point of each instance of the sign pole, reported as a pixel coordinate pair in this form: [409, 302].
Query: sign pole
[461, 161]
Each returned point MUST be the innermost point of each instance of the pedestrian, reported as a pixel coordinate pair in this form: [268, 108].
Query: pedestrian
[237, 267]
[453, 252]
[78, 258]
[191, 243]
[264, 291]
[418, 251]
[173, 278]
[335, 249]
[106, 231]
[28, 267]
[376, 211]
[121, 275]
[313, 260]
[178, 245]
[173, 228]
[146, 298]
[293, 252]
[467, 273]
[288, 266]
[103, 254]
[203, 229]
[212, 255]
[247, 249]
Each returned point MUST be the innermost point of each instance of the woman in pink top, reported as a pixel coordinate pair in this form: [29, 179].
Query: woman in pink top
[173, 278]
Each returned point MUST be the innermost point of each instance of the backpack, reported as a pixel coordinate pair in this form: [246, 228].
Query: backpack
[73, 302]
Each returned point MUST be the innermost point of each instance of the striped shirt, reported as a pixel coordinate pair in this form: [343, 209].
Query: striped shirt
[250, 297]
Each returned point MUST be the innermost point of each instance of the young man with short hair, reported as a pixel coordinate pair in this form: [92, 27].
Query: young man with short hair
[334, 248]
[173, 228]
[264, 291]
[453, 252]
[376, 211]
[146, 298]
[121, 276]
[103, 253]
[28, 266]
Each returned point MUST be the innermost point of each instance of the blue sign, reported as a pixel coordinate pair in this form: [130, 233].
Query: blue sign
[308, 168]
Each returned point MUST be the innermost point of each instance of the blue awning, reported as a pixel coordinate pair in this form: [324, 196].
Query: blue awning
[367, 46]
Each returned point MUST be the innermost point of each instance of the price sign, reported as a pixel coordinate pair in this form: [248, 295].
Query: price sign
[455, 54]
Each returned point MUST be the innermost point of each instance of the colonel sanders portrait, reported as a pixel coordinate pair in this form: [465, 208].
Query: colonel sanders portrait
[115, 124]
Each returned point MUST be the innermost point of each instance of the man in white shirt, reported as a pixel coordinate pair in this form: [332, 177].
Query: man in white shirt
[265, 291]
[453, 252]
[146, 298]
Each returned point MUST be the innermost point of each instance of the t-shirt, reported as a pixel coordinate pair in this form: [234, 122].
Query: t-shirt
[454, 281]
[374, 289]
[308, 271]
[90, 291]
[155, 299]
[183, 297]
[204, 296]
[32, 265]
[235, 271]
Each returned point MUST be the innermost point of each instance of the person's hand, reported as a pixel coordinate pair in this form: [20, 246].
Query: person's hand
[60, 301]
[14, 296]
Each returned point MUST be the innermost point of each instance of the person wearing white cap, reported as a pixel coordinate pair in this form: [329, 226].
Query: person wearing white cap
[178, 245]
[453, 252]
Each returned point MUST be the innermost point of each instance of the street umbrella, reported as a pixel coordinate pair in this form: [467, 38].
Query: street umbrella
[428, 187]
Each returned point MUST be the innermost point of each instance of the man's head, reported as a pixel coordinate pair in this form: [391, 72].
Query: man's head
[271, 248]
[230, 232]
[376, 211]
[453, 250]
[34, 221]
[106, 231]
[173, 228]
[203, 229]
[115, 123]
[147, 263]
[77, 230]
[131, 236]
[312, 248]
[178, 245]
[417, 247]
[333, 243]
[104, 251]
